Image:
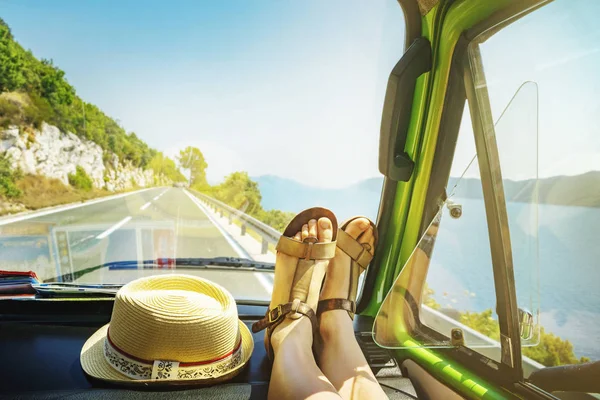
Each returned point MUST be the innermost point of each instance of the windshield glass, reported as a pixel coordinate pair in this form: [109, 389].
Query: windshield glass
[134, 134]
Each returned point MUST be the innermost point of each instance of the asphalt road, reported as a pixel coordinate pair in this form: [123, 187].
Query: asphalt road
[154, 224]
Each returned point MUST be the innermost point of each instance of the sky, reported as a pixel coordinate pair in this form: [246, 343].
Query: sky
[284, 88]
[295, 89]
[541, 74]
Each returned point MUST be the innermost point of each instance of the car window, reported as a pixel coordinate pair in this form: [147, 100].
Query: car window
[446, 293]
[133, 136]
[556, 48]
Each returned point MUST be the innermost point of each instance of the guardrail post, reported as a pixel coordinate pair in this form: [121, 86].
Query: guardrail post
[230, 218]
[243, 229]
[265, 246]
[221, 213]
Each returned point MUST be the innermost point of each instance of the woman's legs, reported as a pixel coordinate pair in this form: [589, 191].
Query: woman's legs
[341, 358]
[295, 374]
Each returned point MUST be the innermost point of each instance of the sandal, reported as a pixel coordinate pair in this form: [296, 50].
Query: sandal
[308, 276]
[360, 255]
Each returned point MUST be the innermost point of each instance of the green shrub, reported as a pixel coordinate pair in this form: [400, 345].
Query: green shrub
[80, 179]
[9, 113]
[8, 177]
[276, 218]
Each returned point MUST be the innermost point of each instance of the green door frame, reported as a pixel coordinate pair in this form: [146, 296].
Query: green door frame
[404, 204]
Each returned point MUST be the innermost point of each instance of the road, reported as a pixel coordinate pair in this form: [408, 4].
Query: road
[153, 224]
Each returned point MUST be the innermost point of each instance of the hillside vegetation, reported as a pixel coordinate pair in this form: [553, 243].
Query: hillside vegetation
[44, 95]
[551, 351]
[35, 91]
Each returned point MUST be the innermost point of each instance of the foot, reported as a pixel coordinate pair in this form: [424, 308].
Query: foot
[295, 331]
[337, 280]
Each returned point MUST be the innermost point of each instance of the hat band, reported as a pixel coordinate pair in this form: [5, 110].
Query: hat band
[136, 368]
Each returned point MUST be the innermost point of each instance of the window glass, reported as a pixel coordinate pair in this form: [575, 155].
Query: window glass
[185, 136]
[454, 258]
[556, 47]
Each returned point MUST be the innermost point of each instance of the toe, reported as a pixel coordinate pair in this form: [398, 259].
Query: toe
[356, 227]
[325, 230]
[304, 231]
[367, 237]
[312, 228]
[298, 236]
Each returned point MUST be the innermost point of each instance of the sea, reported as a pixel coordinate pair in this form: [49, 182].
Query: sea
[556, 260]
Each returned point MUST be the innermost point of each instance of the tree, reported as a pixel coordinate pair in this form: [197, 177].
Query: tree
[553, 351]
[192, 159]
[165, 166]
[482, 322]
[277, 219]
[11, 61]
[7, 179]
[240, 192]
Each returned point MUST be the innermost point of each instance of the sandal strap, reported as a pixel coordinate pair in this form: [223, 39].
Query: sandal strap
[336, 304]
[275, 316]
[310, 249]
[358, 252]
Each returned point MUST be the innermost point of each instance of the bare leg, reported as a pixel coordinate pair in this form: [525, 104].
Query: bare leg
[341, 358]
[295, 374]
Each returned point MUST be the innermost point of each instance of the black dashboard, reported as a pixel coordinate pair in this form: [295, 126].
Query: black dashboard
[40, 344]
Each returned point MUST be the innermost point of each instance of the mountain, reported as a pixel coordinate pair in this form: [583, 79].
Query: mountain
[289, 195]
[363, 197]
[578, 190]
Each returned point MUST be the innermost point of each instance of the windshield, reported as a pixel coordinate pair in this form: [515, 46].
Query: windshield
[136, 134]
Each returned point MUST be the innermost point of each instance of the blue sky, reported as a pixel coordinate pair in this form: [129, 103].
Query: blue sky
[271, 87]
[555, 49]
[295, 89]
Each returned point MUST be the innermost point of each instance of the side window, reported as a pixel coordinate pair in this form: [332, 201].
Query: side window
[555, 48]
[535, 86]
[453, 260]
[459, 290]
[445, 295]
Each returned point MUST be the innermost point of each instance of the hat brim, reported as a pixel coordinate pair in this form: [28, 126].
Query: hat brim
[95, 365]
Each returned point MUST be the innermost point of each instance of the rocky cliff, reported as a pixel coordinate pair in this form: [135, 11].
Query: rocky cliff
[55, 154]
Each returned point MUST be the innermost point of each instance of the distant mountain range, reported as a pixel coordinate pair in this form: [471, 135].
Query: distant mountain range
[289, 195]
[578, 190]
[363, 197]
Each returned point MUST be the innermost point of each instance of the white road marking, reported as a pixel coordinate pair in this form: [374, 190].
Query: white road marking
[113, 228]
[238, 249]
[266, 280]
[23, 217]
[156, 198]
[145, 206]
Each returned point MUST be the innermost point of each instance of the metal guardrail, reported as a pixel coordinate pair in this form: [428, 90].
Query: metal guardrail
[268, 234]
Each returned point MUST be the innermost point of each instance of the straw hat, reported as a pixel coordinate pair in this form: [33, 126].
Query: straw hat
[169, 329]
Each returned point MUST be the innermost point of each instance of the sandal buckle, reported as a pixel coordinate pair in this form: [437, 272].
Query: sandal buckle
[275, 314]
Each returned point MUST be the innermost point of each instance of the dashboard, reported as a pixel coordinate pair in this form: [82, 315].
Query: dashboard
[40, 342]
